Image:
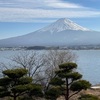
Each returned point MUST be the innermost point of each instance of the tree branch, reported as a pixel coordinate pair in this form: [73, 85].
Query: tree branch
[74, 94]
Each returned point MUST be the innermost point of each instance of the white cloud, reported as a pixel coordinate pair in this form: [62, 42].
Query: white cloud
[29, 11]
[60, 4]
[39, 3]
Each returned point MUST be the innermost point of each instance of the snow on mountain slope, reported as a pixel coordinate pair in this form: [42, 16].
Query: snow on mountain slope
[64, 33]
[63, 24]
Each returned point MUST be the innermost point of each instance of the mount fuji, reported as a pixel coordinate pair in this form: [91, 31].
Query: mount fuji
[63, 32]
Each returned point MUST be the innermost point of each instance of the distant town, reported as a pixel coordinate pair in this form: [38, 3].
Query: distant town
[74, 47]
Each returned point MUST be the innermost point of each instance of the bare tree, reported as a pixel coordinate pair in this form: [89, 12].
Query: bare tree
[53, 58]
[30, 60]
[41, 65]
[33, 61]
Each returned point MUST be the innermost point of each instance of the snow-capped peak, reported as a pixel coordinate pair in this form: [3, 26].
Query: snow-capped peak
[63, 24]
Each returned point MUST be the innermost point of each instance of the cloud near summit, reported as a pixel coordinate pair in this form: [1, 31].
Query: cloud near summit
[36, 10]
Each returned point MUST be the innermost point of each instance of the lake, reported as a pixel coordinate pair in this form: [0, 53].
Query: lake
[88, 63]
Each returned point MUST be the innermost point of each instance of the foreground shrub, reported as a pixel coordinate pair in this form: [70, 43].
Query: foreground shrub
[88, 97]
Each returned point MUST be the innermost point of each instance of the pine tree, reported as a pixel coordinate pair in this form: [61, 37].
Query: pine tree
[16, 83]
[67, 80]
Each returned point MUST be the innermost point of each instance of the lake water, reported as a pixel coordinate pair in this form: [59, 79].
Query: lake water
[88, 63]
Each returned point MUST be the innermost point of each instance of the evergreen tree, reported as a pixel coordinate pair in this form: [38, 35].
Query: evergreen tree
[16, 83]
[67, 80]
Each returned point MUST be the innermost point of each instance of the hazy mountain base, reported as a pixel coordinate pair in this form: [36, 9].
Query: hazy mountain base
[60, 33]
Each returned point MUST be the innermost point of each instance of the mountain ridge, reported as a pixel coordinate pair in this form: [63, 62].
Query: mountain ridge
[63, 32]
[63, 24]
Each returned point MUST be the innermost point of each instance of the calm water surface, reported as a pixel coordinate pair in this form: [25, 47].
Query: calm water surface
[88, 63]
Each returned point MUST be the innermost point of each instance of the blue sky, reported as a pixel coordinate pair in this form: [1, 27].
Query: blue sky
[19, 17]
